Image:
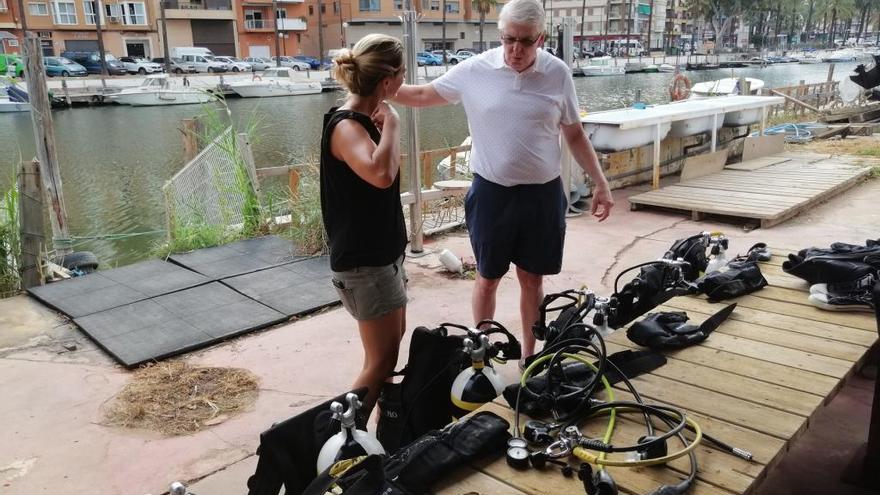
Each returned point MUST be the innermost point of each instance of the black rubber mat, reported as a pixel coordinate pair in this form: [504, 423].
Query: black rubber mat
[175, 323]
[102, 290]
[293, 289]
[239, 257]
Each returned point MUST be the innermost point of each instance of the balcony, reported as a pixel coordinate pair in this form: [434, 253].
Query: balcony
[292, 25]
[265, 3]
[199, 9]
[258, 25]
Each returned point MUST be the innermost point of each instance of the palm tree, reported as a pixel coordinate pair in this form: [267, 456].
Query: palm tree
[483, 7]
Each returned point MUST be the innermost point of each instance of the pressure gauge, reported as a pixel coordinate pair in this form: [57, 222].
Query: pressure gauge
[517, 453]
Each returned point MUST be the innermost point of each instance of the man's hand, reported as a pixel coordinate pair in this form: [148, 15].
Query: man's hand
[384, 113]
[602, 203]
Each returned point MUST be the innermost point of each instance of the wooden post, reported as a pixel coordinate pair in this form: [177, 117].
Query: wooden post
[452, 159]
[30, 211]
[192, 130]
[293, 184]
[427, 175]
[44, 138]
[801, 90]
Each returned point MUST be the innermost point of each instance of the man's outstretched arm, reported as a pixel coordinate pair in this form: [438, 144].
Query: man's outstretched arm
[585, 156]
[419, 95]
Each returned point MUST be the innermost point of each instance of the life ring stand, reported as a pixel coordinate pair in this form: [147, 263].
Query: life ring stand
[680, 87]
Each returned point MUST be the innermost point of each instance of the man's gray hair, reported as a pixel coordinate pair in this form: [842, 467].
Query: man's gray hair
[528, 12]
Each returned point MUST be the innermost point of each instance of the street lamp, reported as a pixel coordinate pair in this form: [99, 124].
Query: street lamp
[344, 32]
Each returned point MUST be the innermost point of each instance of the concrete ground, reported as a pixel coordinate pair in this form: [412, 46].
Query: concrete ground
[55, 381]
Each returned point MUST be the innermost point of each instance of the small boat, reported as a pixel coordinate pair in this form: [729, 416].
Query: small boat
[845, 55]
[602, 66]
[633, 67]
[723, 87]
[158, 89]
[666, 68]
[13, 98]
[652, 68]
[702, 66]
[277, 81]
[809, 59]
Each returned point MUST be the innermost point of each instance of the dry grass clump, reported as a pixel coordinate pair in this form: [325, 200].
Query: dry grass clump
[177, 399]
[866, 146]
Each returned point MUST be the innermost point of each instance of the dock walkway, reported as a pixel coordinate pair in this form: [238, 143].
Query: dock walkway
[768, 189]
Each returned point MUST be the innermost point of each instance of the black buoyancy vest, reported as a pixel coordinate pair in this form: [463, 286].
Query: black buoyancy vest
[364, 223]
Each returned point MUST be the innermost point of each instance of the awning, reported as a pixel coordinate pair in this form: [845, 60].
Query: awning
[6, 35]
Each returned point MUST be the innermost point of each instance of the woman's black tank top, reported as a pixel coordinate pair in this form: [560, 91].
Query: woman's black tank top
[364, 223]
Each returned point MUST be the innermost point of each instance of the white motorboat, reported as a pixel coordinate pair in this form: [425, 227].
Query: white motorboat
[666, 68]
[845, 55]
[602, 66]
[160, 89]
[12, 98]
[808, 59]
[8, 106]
[277, 81]
[724, 87]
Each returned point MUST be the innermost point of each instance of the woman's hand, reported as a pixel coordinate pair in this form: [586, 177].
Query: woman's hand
[384, 113]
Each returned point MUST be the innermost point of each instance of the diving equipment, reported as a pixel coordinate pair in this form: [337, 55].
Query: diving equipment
[349, 442]
[479, 383]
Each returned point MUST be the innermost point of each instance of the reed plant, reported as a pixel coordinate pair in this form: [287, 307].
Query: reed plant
[306, 228]
[10, 243]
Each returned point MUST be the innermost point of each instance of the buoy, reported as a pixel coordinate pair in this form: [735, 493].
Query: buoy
[349, 442]
[478, 384]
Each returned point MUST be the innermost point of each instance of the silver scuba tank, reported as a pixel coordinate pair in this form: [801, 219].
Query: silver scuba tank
[477, 384]
[349, 442]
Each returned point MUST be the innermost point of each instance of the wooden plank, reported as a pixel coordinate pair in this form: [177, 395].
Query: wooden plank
[816, 199]
[861, 321]
[782, 321]
[704, 207]
[705, 164]
[734, 197]
[706, 357]
[758, 146]
[31, 229]
[756, 163]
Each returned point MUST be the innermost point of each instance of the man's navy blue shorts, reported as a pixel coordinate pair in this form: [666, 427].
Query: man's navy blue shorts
[523, 225]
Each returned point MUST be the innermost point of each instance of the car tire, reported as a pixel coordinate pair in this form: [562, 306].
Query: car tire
[64, 73]
[178, 71]
[235, 69]
[296, 68]
[210, 69]
[453, 61]
[83, 261]
[142, 71]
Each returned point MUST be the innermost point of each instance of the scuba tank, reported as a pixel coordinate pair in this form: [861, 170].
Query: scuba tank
[349, 442]
[479, 383]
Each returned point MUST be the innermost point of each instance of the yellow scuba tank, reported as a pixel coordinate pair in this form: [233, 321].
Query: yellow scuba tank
[477, 384]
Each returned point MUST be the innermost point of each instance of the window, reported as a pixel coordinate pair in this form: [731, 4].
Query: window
[114, 10]
[323, 9]
[368, 5]
[461, 35]
[398, 4]
[134, 13]
[452, 7]
[311, 10]
[89, 7]
[281, 14]
[426, 4]
[38, 9]
[435, 5]
[335, 7]
[65, 12]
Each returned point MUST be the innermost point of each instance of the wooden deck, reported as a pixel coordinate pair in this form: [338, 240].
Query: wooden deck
[755, 383]
[769, 189]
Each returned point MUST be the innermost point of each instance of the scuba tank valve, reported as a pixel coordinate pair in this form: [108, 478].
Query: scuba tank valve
[349, 442]
[479, 383]
[718, 247]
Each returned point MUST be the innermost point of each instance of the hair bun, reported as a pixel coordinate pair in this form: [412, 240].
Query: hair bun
[345, 57]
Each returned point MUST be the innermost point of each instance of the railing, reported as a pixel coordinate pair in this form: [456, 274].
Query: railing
[258, 24]
[199, 4]
[819, 96]
[292, 25]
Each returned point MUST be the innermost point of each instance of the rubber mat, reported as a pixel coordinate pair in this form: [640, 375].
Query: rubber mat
[239, 257]
[175, 323]
[102, 290]
[293, 289]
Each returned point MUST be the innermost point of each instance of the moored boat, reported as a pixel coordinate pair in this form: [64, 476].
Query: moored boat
[277, 81]
[157, 90]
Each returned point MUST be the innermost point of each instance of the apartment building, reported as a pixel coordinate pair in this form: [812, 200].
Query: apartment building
[129, 27]
[362, 17]
[256, 27]
[206, 23]
[608, 20]
[10, 33]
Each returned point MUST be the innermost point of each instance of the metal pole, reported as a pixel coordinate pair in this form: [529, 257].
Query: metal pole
[321, 33]
[165, 52]
[23, 18]
[568, 24]
[277, 47]
[44, 137]
[98, 9]
[443, 28]
[410, 19]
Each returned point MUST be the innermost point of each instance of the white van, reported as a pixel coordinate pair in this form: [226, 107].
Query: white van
[205, 63]
[180, 51]
[633, 48]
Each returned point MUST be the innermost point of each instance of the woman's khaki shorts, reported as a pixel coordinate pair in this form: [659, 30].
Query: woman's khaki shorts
[369, 292]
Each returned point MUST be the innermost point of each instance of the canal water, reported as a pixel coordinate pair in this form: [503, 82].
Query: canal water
[115, 159]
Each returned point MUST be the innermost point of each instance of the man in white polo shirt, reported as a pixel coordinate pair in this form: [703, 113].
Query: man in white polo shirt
[518, 99]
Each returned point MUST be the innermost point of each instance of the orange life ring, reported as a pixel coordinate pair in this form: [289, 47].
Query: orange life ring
[679, 88]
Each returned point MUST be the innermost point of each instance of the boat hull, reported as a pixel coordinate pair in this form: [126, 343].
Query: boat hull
[272, 90]
[602, 71]
[14, 106]
[162, 98]
[612, 138]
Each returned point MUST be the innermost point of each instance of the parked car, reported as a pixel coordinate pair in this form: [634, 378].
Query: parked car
[8, 60]
[237, 65]
[136, 65]
[425, 58]
[205, 63]
[451, 57]
[177, 65]
[313, 62]
[60, 66]
[260, 63]
[92, 62]
[292, 63]
[465, 53]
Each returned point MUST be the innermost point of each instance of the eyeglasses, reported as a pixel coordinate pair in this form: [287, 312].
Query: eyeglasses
[526, 42]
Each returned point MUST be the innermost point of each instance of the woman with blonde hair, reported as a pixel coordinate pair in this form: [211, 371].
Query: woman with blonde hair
[360, 202]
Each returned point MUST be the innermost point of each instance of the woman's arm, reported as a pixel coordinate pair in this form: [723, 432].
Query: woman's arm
[376, 164]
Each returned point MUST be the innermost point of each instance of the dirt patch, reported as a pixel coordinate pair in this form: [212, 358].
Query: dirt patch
[864, 146]
[177, 399]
